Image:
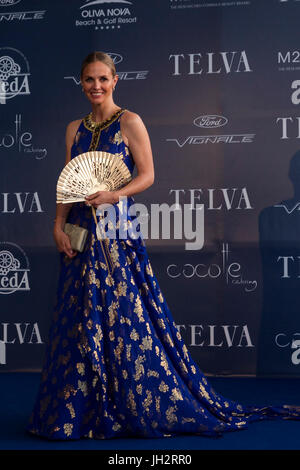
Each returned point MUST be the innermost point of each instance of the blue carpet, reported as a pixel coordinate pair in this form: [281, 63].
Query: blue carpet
[18, 392]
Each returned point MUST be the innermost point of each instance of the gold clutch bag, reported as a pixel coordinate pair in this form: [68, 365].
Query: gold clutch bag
[77, 235]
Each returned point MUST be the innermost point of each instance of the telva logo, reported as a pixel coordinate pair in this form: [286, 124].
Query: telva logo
[210, 121]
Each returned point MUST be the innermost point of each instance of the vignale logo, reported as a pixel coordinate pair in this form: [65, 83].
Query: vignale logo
[123, 75]
[8, 3]
[211, 122]
[9, 15]
[112, 15]
[14, 74]
[14, 268]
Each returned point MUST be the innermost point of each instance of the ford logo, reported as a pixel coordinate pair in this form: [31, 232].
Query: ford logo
[210, 121]
[117, 58]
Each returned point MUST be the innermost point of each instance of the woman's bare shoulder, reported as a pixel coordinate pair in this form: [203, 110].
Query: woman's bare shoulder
[131, 123]
[73, 125]
[129, 117]
[71, 129]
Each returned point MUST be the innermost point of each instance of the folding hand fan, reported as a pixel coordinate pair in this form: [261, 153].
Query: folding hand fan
[91, 172]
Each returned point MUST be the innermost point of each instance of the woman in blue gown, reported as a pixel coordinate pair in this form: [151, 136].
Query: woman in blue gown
[116, 364]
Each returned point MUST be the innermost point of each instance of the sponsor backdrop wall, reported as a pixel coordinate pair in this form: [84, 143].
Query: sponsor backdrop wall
[217, 84]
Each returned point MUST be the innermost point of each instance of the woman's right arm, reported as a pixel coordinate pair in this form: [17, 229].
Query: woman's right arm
[61, 239]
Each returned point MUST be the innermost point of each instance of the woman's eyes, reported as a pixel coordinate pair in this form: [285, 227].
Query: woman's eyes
[102, 79]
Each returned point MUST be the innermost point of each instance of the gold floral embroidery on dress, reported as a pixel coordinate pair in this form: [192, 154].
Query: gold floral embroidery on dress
[164, 363]
[128, 352]
[134, 335]
[113, 313]
[82, 385]
[169, 340]
[80, 368]
[68, 428]
[146, 343]
[186, 353]
[163, 387]
[131, 403]
[121, 289]
[116, 386]
[176, 381]
[117, 138]
[148, 400]
[170, 414]
[96, 367]
[111, 335]
[176, 395]
[67, 391]
[161, 323]
[188, 420]
[148, 328]
[138, 309]
[125, 320]
[98, 337]
[93, 279]
[157, 404]
[116, 427]
[139, 368]
[109, 280]
[149, 269]
[206, 395]
[119, 349]
[71, 409]
[152, 373]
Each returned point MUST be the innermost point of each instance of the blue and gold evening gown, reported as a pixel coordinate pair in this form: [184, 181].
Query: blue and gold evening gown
[116, 364]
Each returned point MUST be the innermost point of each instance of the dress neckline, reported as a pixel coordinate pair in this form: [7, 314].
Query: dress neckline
[93, 125]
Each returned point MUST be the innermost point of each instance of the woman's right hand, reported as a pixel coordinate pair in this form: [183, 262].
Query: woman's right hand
[63, 243]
